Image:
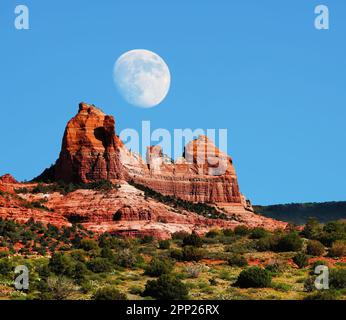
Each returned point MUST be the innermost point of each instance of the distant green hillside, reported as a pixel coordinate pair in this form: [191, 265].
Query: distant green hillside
[298, 213]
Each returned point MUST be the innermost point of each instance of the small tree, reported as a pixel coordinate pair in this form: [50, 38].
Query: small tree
[338, 249]
[166, 287]
[157, 267]
[254, 277]
[315, 248]
[164, 244]
[99, 265]
[193, 240]
[237, 260]
[241, 230]
[301, 260]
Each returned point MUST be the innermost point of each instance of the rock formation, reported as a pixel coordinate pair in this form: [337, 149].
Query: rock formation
[91, 151]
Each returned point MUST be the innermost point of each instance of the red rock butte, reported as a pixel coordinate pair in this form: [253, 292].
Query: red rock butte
[91, 151]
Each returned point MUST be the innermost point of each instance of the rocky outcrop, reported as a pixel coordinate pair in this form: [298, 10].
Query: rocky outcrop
[90, 149]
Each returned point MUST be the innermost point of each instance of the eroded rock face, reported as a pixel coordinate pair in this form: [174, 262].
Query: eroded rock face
[90, 149]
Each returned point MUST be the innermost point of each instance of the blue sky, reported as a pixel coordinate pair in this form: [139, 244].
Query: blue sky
[258, 68]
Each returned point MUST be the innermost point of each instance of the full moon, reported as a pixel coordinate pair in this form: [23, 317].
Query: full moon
[142, 78]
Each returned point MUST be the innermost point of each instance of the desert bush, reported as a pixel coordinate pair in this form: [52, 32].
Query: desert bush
[312, 229]
[179, 235]
[301, 260]
[276, 266]
[265, 244]
[164, 244]
[146, 239]
[157, 267]
[188, 253]
[237, 260]
[338, 249]
[58, 288]
[61, 264]
[288, 242]
[88, 245]
[194, 270]
[323, 295]
[241, 230]
[315, 248]
[193, 240]
[254, 277]
[99, 265]
[332, 232]
[136, 290]
[228, 232]
[337, 279]
[192, 253]
[109, 293]
[258, 233]
[212, 234]
[126, 258]
[166, 287]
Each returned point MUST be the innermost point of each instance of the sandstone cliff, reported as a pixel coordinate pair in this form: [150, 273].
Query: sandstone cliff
[91, 152]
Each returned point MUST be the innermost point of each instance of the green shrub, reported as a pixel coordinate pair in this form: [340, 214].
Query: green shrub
[337, 279]
[164, 244]
[265, 244]
[315, 248]
[301, 260]
[166, 287]
[228, 232]
[258, 233]
[136, 290]
[338, 249]
[180, 235]
[312, 229]
[99, 265]
[323, 295]
[188, 253]
[276, 266]
[126, 258]
[109, 293]
[157, 267]
[212, 234]
[88, 245]
[288, 242]
[192, 253]
[237, 260]
[241, 230]
[193, 240]
[147, 239]
[5, 267]
[61, 264]
[254, 277]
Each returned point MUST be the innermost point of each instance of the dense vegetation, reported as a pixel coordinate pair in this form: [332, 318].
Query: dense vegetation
[299, 213]
[73, 263]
